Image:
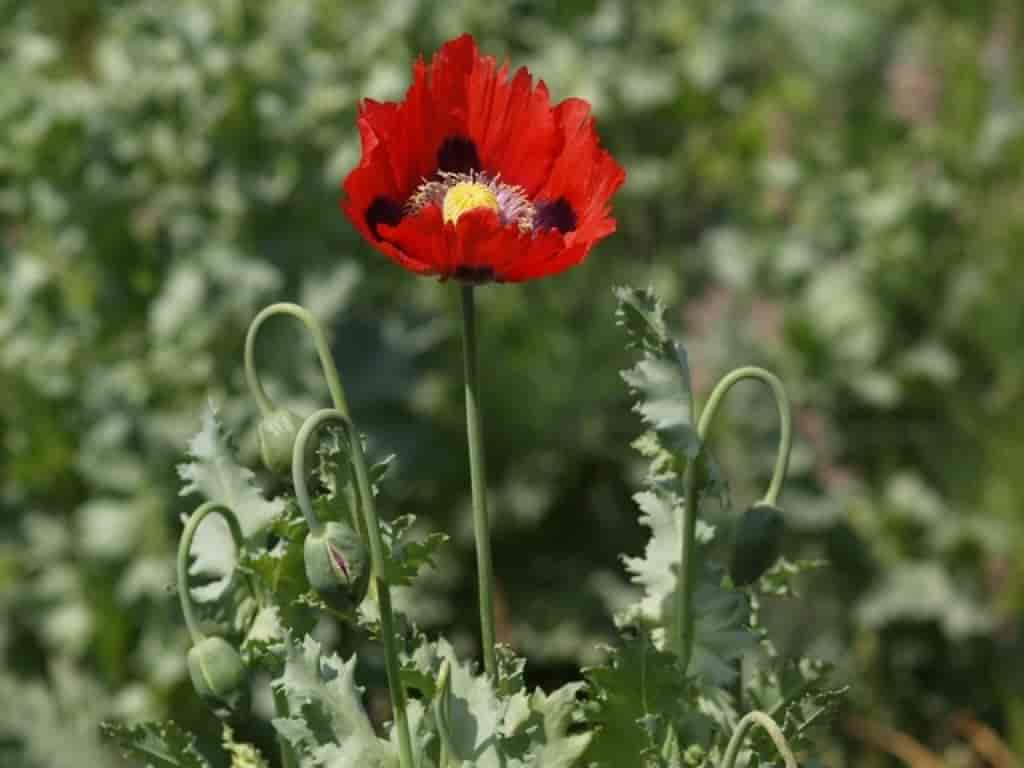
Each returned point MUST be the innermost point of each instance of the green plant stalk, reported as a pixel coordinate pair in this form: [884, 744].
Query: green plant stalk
[302, 499]
[743, 727]
[288, 757]
[327, 365]
[383, 599]
[478, 482]
[323, 350]
[684, 618]
[185, 546]
[372, 522]
[441, 714]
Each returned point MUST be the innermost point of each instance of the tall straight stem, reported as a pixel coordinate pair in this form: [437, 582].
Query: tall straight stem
[387, 622]
[478, 481]
[288, 758]
[687, 567]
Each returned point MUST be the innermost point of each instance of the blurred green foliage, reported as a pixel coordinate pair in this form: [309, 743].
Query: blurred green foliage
[829, 188]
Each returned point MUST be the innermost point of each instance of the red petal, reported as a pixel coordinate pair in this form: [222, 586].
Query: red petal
[512, 124]
[477, 247]
[463, 94]
[479, 242]
[584, 174]
[420, 238]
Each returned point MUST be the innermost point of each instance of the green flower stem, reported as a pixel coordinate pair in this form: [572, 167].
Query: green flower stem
[478, 482]
[327, 364]
[441, 714]
[309, 426]
[746, 723]
[774, 383]
[288, 757]
[684, 618]
[322, 348]
[185, 546]
[372, 522]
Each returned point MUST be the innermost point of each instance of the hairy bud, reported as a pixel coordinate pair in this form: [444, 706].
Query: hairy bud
[218, 675]
[277, 433]
[757, 544]
[337, 566]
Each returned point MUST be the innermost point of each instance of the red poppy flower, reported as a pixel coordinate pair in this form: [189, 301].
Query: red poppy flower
[475, 175]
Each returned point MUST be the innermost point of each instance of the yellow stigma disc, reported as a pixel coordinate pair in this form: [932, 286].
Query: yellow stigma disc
[465, 196]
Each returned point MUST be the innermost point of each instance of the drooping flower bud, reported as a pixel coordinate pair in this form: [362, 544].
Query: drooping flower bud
[277, 431]
[337, 566]
[218, 675]
[757, 544]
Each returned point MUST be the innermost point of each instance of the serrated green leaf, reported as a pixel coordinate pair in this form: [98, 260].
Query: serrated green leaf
[797, 693]
[163, 744]
[548, 729]
[280, 572]
[405, 556]
[476, 712]
[661, 378]
[328, 725]
[214, 473]
[642, 314]
[490, 727]
[637, 682]
[721, 616]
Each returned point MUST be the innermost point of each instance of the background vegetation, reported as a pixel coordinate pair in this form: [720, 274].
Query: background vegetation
[829, 188]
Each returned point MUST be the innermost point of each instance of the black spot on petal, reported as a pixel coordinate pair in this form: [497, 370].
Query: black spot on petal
[457, 154]
[556, 214]
[383, 210]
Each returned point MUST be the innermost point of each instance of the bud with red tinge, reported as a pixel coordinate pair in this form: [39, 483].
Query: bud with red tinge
[337, 566]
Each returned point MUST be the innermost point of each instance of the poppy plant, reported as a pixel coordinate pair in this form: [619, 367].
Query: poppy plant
[478, 176]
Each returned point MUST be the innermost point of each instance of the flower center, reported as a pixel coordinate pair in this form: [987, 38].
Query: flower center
[456, 193]
[467, 196]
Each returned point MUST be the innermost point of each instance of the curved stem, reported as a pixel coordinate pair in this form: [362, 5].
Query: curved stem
[770, 727]
[372, 522]
[322, 348]
[478, 482]
[774, 383]
[299, 451]
[185, 546]
[684, 618]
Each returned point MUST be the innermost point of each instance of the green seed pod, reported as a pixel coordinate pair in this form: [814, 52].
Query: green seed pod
[218, 675]
[337, 566]
[757, 544]
[277, 433]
